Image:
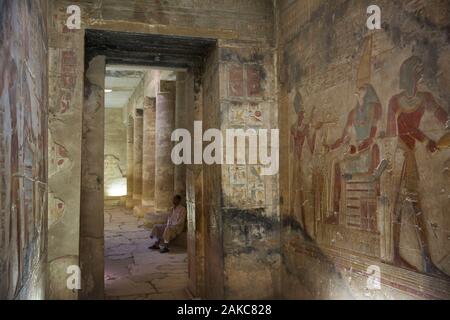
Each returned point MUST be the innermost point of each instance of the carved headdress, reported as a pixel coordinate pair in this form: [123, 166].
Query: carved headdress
[364, 73]
[365, 65]
[410, 73]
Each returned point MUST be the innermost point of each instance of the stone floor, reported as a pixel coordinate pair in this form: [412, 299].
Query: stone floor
[132, 271]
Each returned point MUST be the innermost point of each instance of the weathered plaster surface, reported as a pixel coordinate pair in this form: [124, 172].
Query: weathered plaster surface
[207, 19]
[339, 217]
[66, 68]
[249, 201]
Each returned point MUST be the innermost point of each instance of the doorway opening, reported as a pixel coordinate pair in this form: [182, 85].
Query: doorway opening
[132, 271]
[138, 89]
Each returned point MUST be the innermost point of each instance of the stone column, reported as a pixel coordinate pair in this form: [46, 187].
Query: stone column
[164, 168]
[196, 222]
[130, 170]
[180, 122]
[92, 171]
[137, 157]
[148, 159]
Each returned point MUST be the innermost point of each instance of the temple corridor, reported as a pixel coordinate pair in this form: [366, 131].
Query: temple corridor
[278, 149]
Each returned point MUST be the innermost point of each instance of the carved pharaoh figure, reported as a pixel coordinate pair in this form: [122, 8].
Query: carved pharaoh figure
[406, 111]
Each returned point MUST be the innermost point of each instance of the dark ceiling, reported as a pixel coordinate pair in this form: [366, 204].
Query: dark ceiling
[147, 49]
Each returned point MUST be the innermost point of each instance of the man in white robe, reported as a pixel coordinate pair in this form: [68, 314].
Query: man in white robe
[164, 233]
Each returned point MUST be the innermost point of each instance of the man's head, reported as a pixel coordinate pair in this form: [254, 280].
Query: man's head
[176, 200]
[366, 95]
[411, 73]
[361, 93]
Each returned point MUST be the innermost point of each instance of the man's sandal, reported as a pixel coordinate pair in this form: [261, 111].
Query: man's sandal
[164, 250]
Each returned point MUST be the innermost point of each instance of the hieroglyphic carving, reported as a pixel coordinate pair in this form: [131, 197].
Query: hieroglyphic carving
[58, 157]
[56, 208]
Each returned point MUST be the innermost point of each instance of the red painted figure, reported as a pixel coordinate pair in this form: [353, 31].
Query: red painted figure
[406, 111]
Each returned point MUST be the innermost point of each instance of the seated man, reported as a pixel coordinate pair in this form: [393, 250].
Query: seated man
[170, 230]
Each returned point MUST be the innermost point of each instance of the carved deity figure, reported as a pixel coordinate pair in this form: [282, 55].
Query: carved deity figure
[362, 156]
[301, 133]
[360, 168]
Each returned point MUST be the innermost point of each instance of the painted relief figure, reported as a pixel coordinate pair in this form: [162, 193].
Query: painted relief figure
[362, 156]
[406, 111]
[301, 133]
[355, 178]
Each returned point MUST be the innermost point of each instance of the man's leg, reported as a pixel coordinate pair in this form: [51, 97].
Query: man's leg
[168, 235]
[429, 266]
[407, 179]
[157, 233]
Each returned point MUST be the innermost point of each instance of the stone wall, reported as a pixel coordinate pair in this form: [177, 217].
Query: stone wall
[23, 149]
[245, 24]
[211, 184]
[364, 183]
[66, 75]
[250, 215]
[115, 153]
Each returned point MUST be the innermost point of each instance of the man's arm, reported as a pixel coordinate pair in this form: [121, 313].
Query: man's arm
[440, 114]
[373, 130]
[349, 123]
[437, 109]
[169, 218]
[392, 118]
[182, 216]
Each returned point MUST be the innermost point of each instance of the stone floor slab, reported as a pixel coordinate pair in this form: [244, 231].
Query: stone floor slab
[132, 271]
